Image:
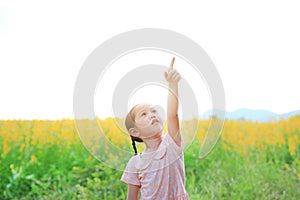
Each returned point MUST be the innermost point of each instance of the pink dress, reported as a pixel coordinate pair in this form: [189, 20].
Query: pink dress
[160, 174]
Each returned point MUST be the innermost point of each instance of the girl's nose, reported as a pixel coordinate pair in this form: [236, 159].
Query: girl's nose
[152, 115]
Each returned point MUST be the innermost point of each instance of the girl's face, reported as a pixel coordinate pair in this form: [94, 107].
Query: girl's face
[148, 121]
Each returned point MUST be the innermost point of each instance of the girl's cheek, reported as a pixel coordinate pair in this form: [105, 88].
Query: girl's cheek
[143, 123]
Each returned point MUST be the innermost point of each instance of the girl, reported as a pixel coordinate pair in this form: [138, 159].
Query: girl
[158, 172]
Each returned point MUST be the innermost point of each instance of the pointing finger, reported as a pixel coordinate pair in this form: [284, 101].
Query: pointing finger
[172, 63]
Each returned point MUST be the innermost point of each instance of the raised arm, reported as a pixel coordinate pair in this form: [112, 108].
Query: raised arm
[173, 77]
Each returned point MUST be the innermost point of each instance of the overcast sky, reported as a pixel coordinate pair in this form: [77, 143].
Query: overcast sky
[255, 46]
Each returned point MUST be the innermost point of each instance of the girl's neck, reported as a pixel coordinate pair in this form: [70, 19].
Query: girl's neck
[152, 144]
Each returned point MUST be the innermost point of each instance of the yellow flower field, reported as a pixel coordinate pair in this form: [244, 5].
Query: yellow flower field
[33, 149]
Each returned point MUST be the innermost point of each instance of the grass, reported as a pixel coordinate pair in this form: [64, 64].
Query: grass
[53, 164]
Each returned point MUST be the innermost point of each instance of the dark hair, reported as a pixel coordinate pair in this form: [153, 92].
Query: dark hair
[135, 139]
[129, 123]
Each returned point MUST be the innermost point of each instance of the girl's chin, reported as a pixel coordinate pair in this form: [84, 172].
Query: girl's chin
[157, 133]
[158, 127]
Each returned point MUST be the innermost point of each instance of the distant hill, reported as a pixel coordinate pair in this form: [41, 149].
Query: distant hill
[251, 115]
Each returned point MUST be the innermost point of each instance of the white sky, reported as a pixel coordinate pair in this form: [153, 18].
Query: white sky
[255, 46]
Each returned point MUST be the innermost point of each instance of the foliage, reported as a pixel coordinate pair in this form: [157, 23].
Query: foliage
[44, 159]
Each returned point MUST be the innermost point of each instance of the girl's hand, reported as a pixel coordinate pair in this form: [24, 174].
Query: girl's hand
[172, 76]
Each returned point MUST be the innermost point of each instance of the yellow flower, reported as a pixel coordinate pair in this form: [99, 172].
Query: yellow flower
[33, 159]
[22, 147]
[286, 165]
[292, 146]
[6, 148]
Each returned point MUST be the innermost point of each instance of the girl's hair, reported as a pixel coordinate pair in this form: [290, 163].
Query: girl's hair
[129, 123]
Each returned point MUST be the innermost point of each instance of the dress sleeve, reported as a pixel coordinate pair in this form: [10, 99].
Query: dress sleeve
[130, 174]
[171, 142]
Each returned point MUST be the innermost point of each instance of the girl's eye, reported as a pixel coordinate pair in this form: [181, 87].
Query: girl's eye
[143, 114]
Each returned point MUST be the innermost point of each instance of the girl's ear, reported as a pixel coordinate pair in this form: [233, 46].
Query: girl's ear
[134, 132]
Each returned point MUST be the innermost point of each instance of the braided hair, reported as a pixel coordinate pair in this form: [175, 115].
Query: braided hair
[135, 139]
[129, 123]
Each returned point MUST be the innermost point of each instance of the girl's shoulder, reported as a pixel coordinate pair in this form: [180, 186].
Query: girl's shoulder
[131, 164]
[134, 158]
[171, 143]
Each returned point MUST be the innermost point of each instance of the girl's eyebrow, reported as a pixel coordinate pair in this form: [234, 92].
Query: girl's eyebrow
[143, 110]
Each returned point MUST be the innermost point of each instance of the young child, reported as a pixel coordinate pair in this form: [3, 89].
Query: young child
[158, 172]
